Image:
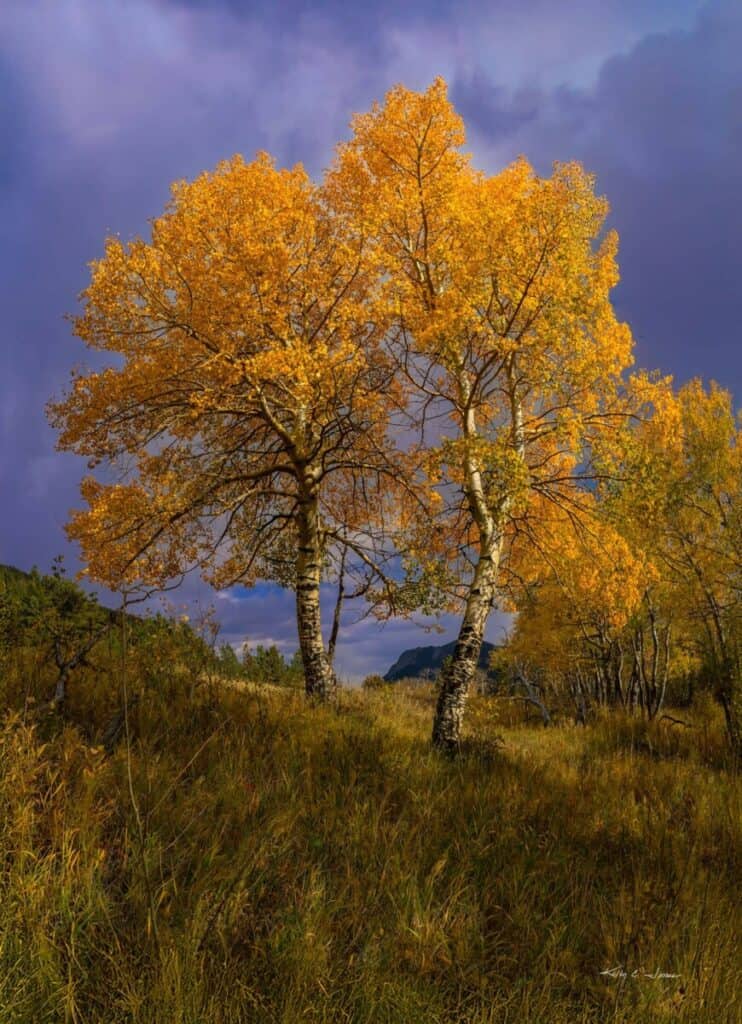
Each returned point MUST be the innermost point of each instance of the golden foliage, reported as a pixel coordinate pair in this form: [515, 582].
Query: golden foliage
[248, 373]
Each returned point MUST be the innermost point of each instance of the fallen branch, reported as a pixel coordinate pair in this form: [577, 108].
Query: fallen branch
[676, 721]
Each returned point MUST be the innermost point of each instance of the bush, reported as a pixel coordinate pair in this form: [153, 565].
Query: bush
[374, 682]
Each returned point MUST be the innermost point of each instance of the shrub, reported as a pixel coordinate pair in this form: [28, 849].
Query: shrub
[374, 682]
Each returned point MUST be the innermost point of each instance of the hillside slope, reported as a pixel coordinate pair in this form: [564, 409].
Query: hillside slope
[247, 859]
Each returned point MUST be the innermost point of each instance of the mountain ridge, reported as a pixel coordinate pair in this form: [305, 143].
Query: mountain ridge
[426, 662]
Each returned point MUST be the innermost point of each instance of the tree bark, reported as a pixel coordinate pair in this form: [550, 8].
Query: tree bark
[319, 678]
[730, 698]
[456, 679]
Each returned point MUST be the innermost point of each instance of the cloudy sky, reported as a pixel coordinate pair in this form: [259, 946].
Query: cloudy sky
[104, 102]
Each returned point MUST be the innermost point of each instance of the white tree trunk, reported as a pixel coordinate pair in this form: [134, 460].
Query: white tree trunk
[489, 520]
[319, 678]
[456, 678]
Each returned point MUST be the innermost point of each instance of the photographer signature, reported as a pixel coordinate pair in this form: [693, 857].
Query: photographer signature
[620, 972]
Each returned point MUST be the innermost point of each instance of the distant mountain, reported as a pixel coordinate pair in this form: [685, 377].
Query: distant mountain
[425, 662]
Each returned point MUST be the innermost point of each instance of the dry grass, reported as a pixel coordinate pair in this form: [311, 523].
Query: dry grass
[317, 865]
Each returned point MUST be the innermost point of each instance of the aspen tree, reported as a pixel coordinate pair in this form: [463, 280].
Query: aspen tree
[500, 289]
[245, 413]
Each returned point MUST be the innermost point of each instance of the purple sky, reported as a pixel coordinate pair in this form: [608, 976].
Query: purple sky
[104, 102]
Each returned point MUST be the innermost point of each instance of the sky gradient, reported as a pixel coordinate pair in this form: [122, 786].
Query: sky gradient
[104, 102]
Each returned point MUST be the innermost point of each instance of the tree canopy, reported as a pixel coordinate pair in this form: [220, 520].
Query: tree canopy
[247, 417]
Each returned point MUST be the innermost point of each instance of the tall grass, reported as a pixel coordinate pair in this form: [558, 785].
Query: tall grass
[316, 865]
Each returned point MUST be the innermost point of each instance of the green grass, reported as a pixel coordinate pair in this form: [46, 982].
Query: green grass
[254, 859]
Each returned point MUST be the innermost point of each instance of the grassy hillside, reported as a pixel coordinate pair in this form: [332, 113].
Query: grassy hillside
[248, 858]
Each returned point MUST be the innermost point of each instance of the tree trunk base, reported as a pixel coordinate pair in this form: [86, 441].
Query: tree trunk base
[449, 715]
[324, 692]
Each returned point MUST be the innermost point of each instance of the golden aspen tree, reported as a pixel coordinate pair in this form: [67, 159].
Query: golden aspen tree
[680, 496]
[500, 291]
[243, 421]
[648, 593]
[579, 593]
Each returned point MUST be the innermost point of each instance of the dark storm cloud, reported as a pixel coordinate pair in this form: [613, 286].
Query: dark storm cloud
[662, 130]
[13, 125]
[493, 110]
[102, 104]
